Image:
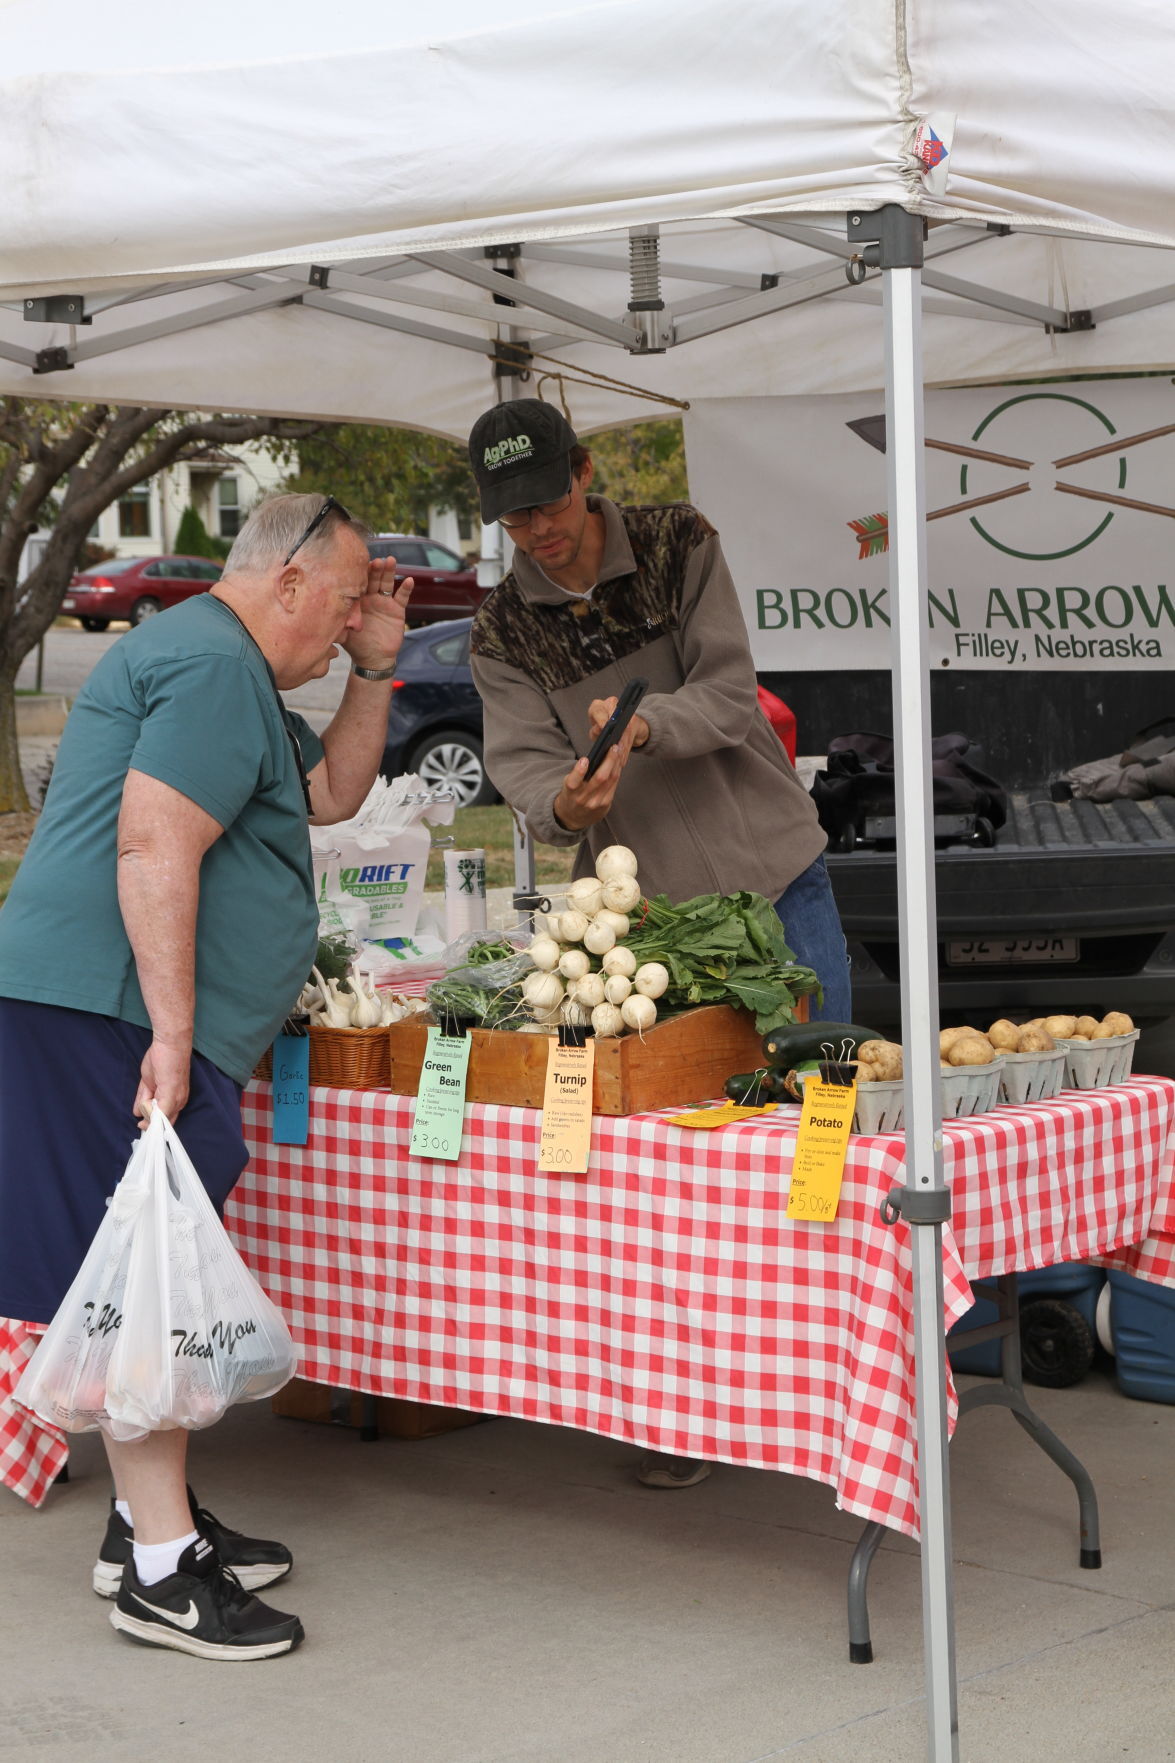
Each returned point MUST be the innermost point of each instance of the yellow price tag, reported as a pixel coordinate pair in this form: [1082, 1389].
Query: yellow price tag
[822, 1144]
[565, 1136]
[705, 1118]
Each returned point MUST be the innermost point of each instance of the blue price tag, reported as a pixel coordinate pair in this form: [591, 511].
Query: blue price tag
[291, 1089]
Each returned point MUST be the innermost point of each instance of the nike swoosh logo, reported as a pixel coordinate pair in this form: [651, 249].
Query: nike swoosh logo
[182, 1618]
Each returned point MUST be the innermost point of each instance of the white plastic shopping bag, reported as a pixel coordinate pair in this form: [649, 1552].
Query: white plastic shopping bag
[164, 1325]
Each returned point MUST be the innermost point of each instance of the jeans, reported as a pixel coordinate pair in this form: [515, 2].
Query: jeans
[811, 925]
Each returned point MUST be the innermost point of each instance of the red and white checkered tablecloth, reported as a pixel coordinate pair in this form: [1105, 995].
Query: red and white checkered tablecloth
[32, 1454]
[665, 1298]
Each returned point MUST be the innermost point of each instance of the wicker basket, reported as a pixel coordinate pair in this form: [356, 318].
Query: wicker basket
[1032, 1077]
[343, 1059]
[1090, 1064]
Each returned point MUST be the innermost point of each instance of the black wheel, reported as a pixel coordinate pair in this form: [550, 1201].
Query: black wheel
[451, 759]
[144, 608]
[95, 624]
[1056, 1345]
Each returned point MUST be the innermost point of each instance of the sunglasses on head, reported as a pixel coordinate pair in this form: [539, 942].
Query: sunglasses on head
[330, 506]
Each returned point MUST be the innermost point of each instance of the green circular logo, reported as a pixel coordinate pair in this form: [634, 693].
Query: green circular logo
[968, 470]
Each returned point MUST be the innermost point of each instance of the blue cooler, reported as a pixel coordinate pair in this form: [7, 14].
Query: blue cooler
[1058, 1307]
[1142, 1320]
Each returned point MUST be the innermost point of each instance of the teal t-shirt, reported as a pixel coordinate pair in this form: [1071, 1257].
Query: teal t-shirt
[188, 698]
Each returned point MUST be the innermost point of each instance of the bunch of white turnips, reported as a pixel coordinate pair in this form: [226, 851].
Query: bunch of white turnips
[584, 975]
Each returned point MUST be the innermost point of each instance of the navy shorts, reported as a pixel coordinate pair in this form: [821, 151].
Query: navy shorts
[67, 1089]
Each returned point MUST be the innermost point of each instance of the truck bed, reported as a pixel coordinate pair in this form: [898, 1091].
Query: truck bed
[1102, 873]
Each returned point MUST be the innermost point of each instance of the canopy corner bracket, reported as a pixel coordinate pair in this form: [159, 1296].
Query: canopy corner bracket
[52, 361]
[889, 237]
[917, 1205]
[56, 309]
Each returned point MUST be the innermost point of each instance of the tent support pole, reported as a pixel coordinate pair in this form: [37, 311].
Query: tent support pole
[925, 1202]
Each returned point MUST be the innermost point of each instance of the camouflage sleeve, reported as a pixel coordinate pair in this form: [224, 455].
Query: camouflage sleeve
[527, 754]
[715, 706]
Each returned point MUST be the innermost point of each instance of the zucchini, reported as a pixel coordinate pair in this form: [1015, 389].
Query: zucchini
[797, 1041]
[746, 1088]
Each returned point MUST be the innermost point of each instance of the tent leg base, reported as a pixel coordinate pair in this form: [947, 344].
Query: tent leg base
[860, 1652]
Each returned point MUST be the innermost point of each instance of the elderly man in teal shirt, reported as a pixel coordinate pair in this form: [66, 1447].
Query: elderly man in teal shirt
[157, 934]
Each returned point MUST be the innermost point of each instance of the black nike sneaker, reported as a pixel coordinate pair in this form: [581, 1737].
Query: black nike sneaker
[202, 1608]
[254, 1561]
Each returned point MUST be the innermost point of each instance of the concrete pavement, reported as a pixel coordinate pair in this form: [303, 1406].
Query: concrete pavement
[510, 1594]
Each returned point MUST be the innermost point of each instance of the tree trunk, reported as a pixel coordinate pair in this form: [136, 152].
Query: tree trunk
[13, 799]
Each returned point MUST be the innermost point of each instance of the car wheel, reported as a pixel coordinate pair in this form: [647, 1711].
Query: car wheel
[145, 608]
[450, 759]
[95, 624]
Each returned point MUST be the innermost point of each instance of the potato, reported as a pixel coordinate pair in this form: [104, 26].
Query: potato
[1004, 1034]
[972, 1050]
[1035, 1040]
[1084, 1027]
[1085, 1038]
[949, 1036]
[1117, 1022]
[1103, 1032]
[1062, 1027]
[867, 1073]
[885, 1055]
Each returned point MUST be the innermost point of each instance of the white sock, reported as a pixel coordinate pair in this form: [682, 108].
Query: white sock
[124, 1512]
[155, 1561]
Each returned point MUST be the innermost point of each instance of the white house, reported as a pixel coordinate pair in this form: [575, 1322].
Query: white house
[221, 489]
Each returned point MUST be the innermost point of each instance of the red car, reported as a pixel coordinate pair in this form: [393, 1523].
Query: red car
[136, 588]
[445, 586]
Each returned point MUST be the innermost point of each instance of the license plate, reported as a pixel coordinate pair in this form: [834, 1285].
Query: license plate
[67, 605]
[1003, 951]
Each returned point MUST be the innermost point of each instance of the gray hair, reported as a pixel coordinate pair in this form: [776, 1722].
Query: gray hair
[274, 528]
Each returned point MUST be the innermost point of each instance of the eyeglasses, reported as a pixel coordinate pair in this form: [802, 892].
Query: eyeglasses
[520, 517]
[330, 506]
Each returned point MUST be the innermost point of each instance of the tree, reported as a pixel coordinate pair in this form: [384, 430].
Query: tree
[644, 463]
[60, 466]
[389, 478]
[193, 539]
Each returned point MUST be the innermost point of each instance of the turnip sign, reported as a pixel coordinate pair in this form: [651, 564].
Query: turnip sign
[1050, 524]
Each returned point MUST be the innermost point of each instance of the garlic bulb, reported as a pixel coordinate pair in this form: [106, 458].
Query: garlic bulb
[366, 1008]
[336, 1010]
[607, 1020]
[619, 961]
[622, 893]
[585, 895]
[615, 860]
[616, 988]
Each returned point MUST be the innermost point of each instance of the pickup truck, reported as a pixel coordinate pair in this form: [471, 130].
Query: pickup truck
[1072, 906]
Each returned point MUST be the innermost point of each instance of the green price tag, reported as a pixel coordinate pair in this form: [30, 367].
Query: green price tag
[440, 1101]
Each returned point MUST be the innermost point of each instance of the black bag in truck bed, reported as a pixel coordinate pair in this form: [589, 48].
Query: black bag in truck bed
[1097, 875]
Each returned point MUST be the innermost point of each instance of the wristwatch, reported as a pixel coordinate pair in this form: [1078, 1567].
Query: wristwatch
[374, 672]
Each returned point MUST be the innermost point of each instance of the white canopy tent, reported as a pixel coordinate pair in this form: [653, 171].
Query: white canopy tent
[317, 224]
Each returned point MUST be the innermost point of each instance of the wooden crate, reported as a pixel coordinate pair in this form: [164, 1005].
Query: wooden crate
[394, 1417]
[686, 1058]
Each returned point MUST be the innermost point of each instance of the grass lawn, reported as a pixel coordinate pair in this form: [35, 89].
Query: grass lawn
[492, 830]
[8, 868]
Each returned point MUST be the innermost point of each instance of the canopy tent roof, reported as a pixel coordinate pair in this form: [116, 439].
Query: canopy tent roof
[302, 227]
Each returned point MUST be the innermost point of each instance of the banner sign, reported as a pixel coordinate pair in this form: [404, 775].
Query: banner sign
[1050, 525]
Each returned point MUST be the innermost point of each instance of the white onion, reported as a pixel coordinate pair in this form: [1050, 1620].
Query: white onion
[599, 938]
[588, 991]
[573, 964]
[622, 893]
[651, 979]
[607, 1020]
[615, 860]
[619, 961]
[639, 1012]
[572, 926]
[542, 991]
[617, 922]
[585, 895]
[544, 952]
[616, 988]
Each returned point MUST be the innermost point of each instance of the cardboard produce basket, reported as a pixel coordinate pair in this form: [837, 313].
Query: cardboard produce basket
[682, 1059]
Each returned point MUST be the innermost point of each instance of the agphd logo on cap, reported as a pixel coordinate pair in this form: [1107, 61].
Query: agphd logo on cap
[511, 447]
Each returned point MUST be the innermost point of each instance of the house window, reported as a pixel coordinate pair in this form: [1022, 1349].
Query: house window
[228, 507]
[134, 513]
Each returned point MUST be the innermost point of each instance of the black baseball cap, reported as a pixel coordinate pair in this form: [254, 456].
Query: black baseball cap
[520, 453]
